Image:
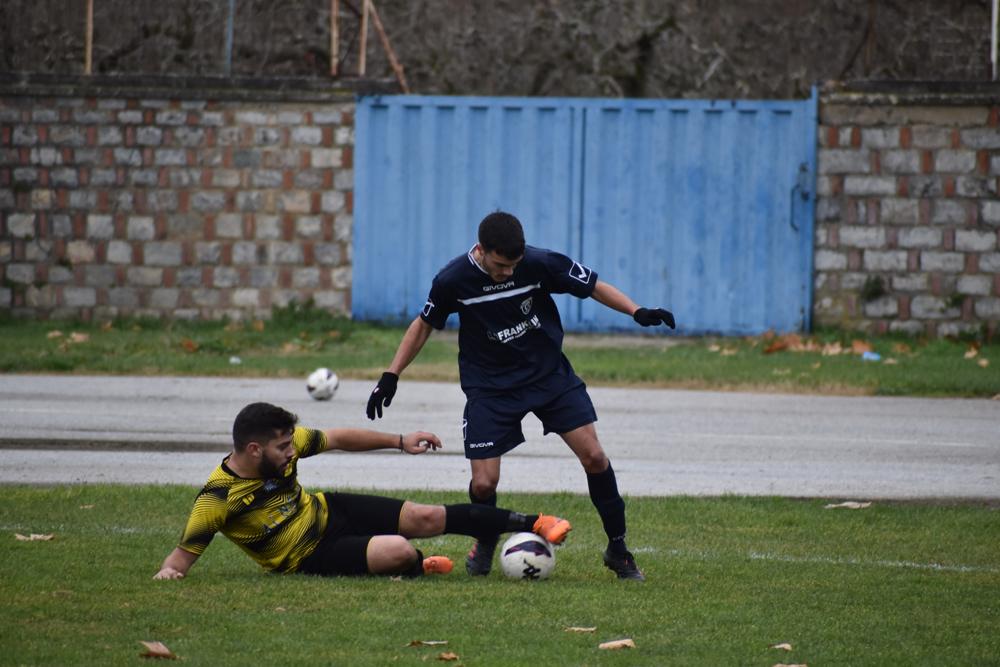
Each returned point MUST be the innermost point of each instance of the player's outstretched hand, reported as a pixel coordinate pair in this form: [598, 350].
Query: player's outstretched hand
[651, 317]
[169, 573]
[419, 442]
[382, 394]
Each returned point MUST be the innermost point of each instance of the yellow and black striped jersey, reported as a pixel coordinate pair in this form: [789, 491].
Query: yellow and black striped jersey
[273, 520]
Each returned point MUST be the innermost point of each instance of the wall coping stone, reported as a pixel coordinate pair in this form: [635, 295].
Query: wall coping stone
[255, 89]
[911, 93]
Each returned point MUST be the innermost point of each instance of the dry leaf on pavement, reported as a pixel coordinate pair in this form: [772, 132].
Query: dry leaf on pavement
[157, 650]
[448, 656]
[34, 537]
[847, 505]
[617, 644]
[575, 628]
[427, 642]
[784, 646]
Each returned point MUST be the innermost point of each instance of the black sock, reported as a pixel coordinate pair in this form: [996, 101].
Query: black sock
[491, 501]
[610, 506]
[417, 569]
[483, 522]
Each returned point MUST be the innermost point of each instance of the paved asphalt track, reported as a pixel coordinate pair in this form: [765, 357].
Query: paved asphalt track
[73, 429]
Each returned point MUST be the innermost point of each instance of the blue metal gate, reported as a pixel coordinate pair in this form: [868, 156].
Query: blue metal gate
[704, 207]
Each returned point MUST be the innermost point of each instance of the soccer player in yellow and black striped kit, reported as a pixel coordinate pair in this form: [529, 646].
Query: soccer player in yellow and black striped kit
[254, 498]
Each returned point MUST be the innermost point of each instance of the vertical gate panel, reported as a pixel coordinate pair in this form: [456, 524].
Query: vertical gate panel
[428, 169]
[704, 207]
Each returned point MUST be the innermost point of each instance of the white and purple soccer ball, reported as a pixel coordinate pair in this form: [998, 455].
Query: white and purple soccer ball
[527, 556]
[322, 384]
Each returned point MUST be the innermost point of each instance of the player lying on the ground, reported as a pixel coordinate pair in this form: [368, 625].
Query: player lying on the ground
[254, 498]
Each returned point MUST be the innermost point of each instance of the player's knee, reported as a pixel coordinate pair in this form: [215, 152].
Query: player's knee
[398, 554]
[484, 486]
[594, 461]
[427, 520]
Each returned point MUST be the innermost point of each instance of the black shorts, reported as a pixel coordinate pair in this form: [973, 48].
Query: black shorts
[353, 520]
[491, 423]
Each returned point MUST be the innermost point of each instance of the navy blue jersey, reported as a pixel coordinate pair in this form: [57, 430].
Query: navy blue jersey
[510, 334]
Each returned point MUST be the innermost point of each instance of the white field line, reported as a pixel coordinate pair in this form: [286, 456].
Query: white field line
[831, 560]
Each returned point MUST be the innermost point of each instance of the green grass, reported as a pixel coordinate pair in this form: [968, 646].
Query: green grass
[892, 584]
[300, 338]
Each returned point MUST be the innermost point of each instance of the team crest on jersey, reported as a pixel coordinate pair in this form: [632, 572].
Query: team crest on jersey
[580, 272]
[526, 305]
[428, 307]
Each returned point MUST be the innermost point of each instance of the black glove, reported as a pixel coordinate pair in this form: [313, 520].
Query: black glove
[650, 317]
[382, 394]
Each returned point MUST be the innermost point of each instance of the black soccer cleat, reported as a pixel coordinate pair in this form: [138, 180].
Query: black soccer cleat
[623, 565]
[479, 562]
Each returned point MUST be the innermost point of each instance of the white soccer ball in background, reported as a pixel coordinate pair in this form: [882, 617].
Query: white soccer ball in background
[527, 556]
[322, 384]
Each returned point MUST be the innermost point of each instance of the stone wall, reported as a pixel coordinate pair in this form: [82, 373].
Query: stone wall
[908, 213]
[174, 201]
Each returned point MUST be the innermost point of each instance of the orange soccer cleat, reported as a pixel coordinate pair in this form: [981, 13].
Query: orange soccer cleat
[551, 528]
[437, 565]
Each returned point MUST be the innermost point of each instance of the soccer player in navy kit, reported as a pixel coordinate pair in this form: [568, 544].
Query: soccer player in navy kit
[511, 363]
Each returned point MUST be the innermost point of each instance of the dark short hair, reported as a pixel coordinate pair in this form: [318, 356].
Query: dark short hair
[501, 232]
[260, 422]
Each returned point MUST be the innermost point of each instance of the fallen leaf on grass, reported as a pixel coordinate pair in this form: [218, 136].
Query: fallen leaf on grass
[157, 650]
[901, 348]
[448, 656]
[777, 345]
[86, 507]
[847, 505]
[258, 325]
[860, 347]
[816, 366]
[427, 642]
[784, 646]
[983, 363]
[617, 644]
[972, 353]
[728, 352]
[831, 350]
[781, 371]
[890, 361]
[34, 537]
[714, 348]
[77, 337]
[280, 609]
[189, 345]
[55, 333]
[575, 628]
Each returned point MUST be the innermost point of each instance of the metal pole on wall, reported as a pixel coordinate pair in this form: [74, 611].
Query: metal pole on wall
[363, 48]
[230, 20]
[334, 36]
[995, 28]
[88, 39]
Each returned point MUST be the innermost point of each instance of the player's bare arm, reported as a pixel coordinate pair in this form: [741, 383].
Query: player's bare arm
[364, 440]
[176, 565]
[409, 347]
[614, 298]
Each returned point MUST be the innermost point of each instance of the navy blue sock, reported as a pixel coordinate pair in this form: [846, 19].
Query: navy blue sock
[610, 506]
[491, 501]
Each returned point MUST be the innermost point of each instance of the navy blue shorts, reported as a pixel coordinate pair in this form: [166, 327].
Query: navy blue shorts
[491, 424]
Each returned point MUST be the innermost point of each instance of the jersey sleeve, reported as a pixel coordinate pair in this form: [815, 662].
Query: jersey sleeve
[308, 442]
[440, 304]
[208, 516]
[567, 276]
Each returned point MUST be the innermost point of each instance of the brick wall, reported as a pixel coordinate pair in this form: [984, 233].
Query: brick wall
[173, 202]
[908, 213]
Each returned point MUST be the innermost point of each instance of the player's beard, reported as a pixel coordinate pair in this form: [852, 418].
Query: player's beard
[269, 469]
